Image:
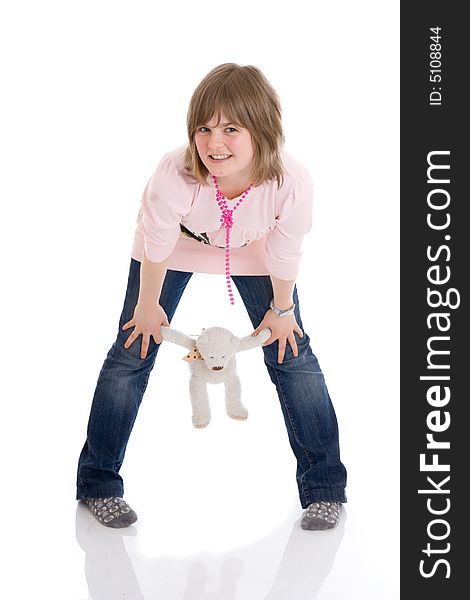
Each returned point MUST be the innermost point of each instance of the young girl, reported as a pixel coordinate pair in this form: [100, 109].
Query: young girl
[231, 201]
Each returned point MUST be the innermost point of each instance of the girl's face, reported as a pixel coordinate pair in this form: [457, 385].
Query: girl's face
[225, 150]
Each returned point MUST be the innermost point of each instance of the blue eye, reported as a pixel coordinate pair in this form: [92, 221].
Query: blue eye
[202, 128]
[232, 128]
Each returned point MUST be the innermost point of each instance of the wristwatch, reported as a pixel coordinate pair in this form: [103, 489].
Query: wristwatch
[282, 313]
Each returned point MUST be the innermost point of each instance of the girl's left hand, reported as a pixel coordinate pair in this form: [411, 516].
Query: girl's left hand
[282, 329]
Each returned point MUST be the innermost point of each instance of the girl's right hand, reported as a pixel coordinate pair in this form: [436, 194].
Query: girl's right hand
[147, 321]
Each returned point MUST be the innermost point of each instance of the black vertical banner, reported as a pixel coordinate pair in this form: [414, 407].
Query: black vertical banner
[435, 268]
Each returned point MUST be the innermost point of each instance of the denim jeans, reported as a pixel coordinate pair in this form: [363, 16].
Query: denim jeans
[307, 409]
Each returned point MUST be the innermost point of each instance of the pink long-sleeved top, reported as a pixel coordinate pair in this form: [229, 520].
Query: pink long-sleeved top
[268, 227]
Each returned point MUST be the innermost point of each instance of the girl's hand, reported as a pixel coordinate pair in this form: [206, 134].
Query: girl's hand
[147, 321]
[282, 329]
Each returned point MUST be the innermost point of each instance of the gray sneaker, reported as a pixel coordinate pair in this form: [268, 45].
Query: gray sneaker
[111, 512]
[321, 515]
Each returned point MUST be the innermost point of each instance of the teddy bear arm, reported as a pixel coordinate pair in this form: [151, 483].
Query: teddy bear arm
[176, 337]
[253, 341]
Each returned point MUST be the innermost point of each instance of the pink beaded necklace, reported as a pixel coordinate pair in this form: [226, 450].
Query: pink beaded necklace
[227, 222]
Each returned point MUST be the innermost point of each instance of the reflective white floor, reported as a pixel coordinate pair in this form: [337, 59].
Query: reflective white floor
[175, 555]
[286, 564]
[289, 563]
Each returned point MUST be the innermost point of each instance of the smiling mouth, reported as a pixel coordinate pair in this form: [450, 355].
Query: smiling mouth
[219, 157]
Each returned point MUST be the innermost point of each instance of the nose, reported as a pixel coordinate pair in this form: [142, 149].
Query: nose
[216, 140]
[217, 368]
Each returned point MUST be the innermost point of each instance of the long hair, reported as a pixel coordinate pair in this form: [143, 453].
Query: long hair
[247, 99]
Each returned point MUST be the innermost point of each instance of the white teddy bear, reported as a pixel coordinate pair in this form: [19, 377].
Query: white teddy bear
[212, 360]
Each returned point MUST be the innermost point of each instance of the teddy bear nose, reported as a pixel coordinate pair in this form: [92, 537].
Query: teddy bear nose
[217, 368]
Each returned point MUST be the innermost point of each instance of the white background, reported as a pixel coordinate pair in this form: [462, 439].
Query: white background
[93, 94]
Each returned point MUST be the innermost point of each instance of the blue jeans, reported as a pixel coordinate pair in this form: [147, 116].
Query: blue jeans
[308, 412]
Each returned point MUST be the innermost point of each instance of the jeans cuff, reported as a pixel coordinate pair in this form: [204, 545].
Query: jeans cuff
[327, 495]
[103, 491]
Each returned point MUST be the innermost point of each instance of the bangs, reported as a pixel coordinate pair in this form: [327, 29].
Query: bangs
[218, 102]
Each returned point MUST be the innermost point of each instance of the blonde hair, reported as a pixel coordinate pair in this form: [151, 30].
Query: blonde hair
[247, 99]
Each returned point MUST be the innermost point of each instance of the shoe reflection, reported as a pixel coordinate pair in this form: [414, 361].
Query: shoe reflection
[307, 561]
[111, 574]
[108, 568]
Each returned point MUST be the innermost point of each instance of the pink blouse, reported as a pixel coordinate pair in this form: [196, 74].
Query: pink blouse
[267, 233]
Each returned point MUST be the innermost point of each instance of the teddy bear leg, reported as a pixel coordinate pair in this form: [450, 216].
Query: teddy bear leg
[233, 403]
[200, 402]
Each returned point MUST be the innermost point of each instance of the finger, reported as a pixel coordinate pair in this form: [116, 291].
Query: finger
[145, 346]
[158, 338]
[281, 351]
[293, 345]
[130, 340]
[298, 331]
[128, 324]
[256, 331]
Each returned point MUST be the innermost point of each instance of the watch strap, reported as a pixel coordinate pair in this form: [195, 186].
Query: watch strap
[281, 313]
